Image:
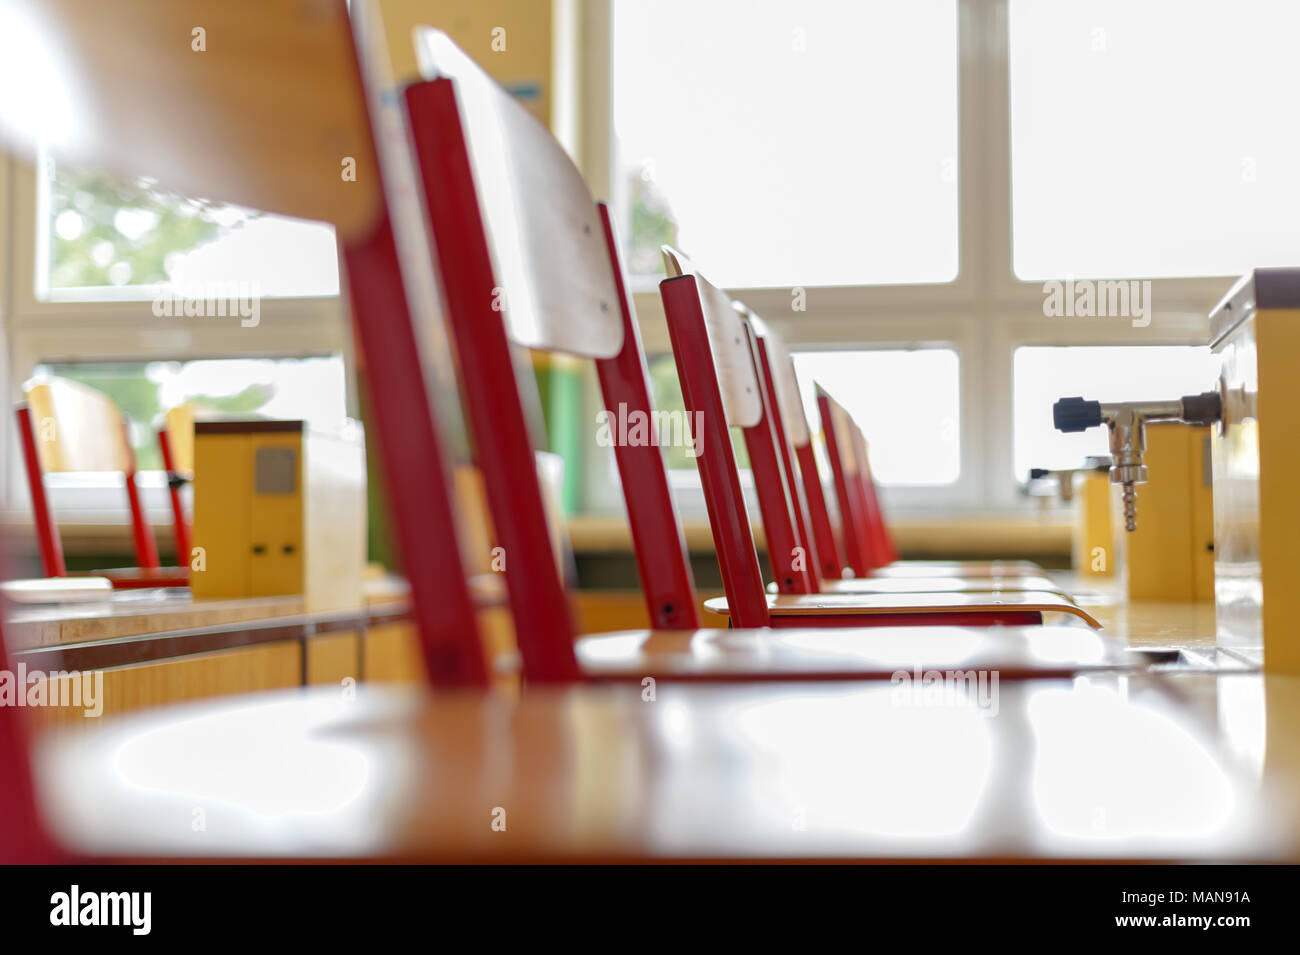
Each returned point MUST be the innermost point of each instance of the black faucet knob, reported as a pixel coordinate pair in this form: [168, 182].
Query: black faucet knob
[1075, 414]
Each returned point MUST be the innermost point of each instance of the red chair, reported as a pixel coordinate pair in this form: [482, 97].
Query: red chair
[176, 444]
[67, 427]
[717, 363]
[794, 442]
[406, 388]
[544, 248]
[868, 541]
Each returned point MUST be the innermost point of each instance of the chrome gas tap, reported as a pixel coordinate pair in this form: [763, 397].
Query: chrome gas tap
[1127, 423]
[1064, 477]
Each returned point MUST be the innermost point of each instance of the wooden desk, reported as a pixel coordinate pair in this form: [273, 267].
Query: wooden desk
[1188, 626]
[132, 614]
[378, 642]
[1108, 767]
[163, 647]
[1200, 761]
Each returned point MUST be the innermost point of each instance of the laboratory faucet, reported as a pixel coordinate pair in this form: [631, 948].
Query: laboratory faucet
[1127, 422]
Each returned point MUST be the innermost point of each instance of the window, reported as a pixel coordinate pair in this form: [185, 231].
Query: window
[1098, 373]
[723, 139]
[906, 402]
[103, 238]
[311, 389]
[88, 251]
[784, 144]
[1154, 139]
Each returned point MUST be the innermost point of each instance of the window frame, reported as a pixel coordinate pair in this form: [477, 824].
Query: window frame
[986, 312]
[115, 328]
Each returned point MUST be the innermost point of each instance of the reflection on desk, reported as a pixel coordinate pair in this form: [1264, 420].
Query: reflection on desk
[1099, 767]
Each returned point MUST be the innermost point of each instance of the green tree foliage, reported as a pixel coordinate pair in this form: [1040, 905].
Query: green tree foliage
[666, 395]
[652, 225]
[135, 391]
[105, 232]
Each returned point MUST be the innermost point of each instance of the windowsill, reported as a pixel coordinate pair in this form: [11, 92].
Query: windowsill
[1045, 534]
[91, 533]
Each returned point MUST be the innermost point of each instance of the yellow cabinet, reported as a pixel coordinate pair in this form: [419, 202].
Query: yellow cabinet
[278, 509]
[1171, 554]
[1255, 331]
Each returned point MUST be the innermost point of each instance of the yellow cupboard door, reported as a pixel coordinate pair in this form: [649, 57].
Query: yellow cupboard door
[276, 511]
[1202, 515]
[219, 565]
[1160, 550]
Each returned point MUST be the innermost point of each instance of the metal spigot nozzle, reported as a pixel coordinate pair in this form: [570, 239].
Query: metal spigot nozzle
[1127, 422]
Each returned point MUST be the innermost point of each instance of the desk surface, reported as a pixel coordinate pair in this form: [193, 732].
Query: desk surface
[1190, 767]
[1145, 625]
[1160, 765]
[133, 613]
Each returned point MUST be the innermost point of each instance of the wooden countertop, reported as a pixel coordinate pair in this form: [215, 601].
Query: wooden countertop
[1195, 758]
[132, 614]
[86, 634]
[1107, 767]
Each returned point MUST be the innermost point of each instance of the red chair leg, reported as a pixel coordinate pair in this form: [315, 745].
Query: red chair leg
[47, 535]
[180, 525]
[146, 548]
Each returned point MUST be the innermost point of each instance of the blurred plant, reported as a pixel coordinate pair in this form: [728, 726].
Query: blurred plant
[106, 232]
[666, 395]
[652, 225]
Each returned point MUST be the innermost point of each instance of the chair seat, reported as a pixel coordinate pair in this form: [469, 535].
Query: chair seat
[936, 585]
[871, 653]
[967, 604]
[957, 568]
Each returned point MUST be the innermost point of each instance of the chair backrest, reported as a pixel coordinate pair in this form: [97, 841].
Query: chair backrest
[845, 450]
[133, 117]
[78, 428]
[541, 271]
[412, 391]
[545, 237]
[829, 548]
[775, 371]
[178, 426]
[339, 156]
[717, 355]
[134, 114]
[812, 518]
[733, 360]
[65, 426]
[882, 540]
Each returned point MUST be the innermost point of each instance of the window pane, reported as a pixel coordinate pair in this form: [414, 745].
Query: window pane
[1099, 373]
[907, 403]
[104, 238]
[666, 395]
[786, 144]
[1154, 139]
[311, 389]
